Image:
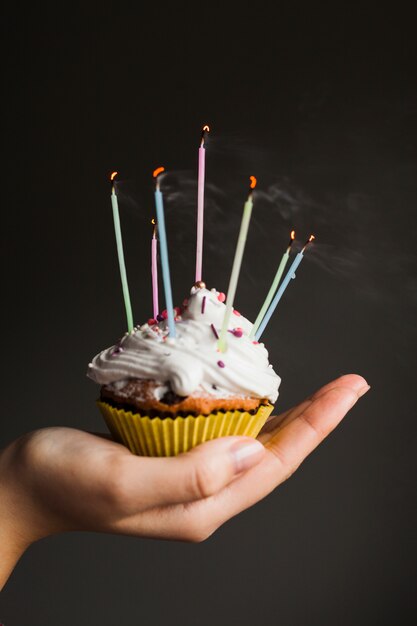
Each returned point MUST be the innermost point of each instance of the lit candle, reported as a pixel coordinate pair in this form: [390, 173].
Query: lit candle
[290, 274]
[119, 243]
[200, 204]
[274, 286]
[154, 265]
[163, 246]
[237, 261]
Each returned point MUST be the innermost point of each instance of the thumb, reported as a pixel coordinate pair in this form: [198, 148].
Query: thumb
[197, 474]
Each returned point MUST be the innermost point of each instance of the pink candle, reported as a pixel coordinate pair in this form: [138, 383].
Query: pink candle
[200, 205]
[154, 257]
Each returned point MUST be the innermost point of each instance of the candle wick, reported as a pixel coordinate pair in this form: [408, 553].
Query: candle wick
[155, 225]
[112, 183]
[155, 174]
[205, 130]
[292, 239]
[309, 240]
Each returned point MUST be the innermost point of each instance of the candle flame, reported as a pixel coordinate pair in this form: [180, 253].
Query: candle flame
[253, 182]
[158, 171]
[292, 235]
[206, 129]
[112, 177]
[153, 221]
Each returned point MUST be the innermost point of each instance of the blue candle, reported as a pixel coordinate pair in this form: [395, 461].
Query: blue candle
[290, 274]
[163, 249]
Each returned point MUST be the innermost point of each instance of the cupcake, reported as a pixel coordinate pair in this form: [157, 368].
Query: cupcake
[161, 396]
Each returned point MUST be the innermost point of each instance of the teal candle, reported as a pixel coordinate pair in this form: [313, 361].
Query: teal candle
[122, 266]
[163, 250]
[273, 287]
[290, 274]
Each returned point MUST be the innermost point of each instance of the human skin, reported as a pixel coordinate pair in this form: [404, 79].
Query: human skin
[56, 480]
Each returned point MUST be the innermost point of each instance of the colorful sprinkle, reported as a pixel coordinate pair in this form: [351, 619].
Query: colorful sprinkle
[255, 343]
[117, 350]
[165, 314]
[178, 310]
[221, 364]
[160, 318]
[221, 297]
[216, 334]
[236, 312]
[203, 304]
[238, 332]
[151, 321]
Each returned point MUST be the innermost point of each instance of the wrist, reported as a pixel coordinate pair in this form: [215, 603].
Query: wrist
[12, 546]
[20, 523]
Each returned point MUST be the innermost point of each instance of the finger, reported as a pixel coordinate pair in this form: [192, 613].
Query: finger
[279, 421]
[107, 436]
[302, 433]
[271, 428]
[298, 438]
[145, 482]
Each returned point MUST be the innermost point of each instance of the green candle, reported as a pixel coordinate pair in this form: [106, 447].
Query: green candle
[237, 262]
[273, 287]
[119, 243]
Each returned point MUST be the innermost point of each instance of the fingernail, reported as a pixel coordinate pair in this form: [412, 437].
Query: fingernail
[363, 391]
[246, 454]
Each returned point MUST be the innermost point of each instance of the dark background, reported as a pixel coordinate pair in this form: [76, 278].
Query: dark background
[319, 102]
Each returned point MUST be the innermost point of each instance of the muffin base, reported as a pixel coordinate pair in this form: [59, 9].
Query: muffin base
[138, 395]
[148, 436]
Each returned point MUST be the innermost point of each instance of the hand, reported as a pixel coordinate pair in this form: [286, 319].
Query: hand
[60, 479]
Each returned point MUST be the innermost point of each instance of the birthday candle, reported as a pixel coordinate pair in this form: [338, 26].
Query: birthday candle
[119, 243]
[154, 271]
[200, 204]
[237, 261]
[163, 246]
[290, 274]
[274, 286]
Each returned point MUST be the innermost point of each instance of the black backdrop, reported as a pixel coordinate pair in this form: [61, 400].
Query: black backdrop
[318, 102]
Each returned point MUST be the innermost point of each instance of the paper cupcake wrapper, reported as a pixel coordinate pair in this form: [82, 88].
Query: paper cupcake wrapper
[154, 436]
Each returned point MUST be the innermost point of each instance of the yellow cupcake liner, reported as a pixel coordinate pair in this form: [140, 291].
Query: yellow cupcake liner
[154, 436]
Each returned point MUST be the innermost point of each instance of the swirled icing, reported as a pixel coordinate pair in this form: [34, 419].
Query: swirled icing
[191, 363]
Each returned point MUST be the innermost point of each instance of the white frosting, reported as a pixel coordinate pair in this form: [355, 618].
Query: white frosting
[190, 362]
